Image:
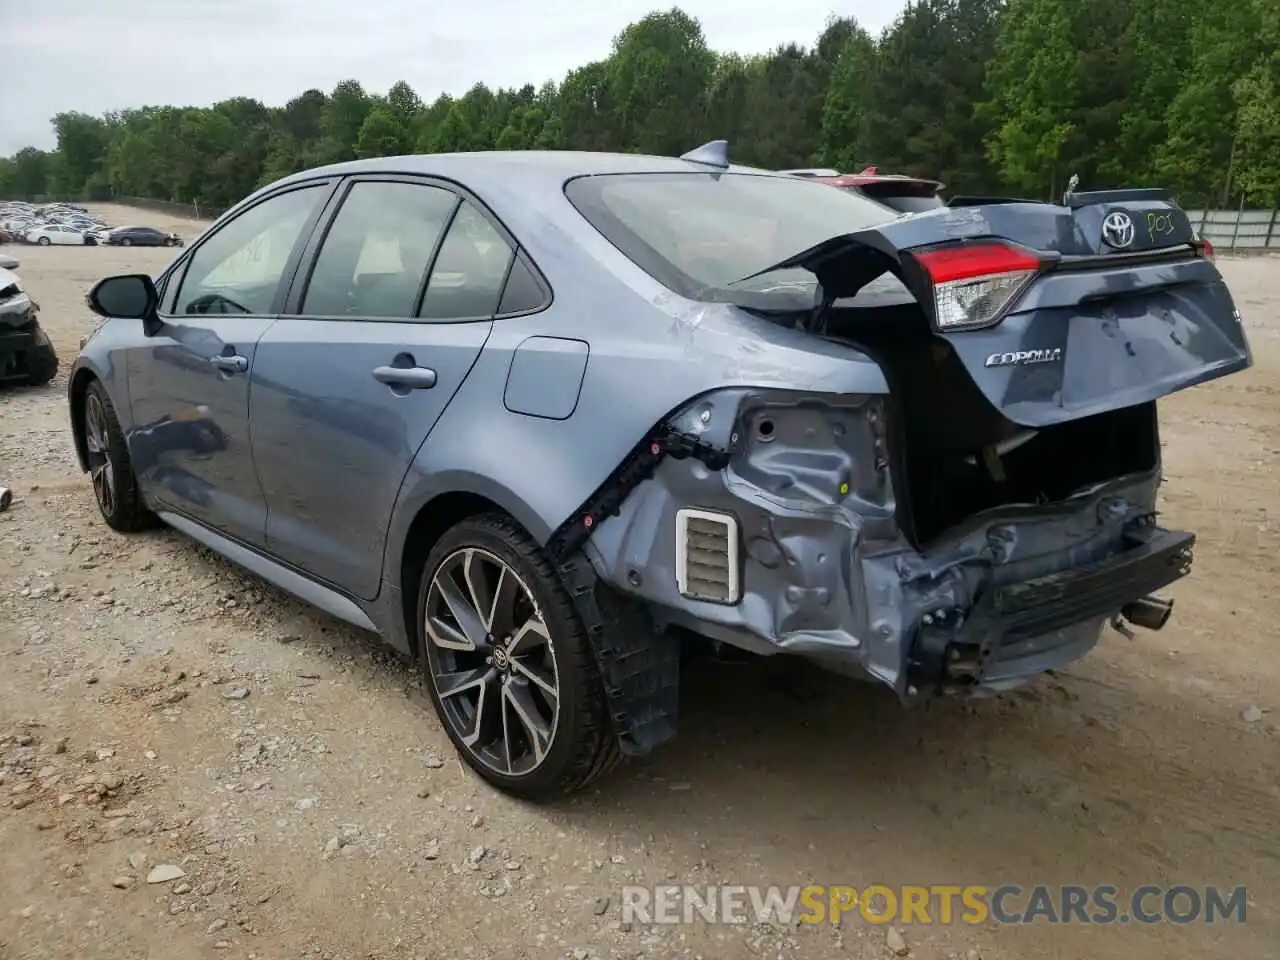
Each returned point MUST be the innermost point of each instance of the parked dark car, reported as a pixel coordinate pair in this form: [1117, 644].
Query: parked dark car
[139, 237]
[540, 418]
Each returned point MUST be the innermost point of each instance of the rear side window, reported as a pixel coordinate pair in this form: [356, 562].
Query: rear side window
[523, 292]
[469, 273]
[703, 234]
[375, 256]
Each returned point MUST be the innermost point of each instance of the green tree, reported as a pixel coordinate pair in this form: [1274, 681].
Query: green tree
[82, 146]
[1158, 41]
[848, 108]
[384, 133]
[341, 118]
[1034, 92]
[659, 72]
[30, 174]
[1198, 152]
[1257, 97]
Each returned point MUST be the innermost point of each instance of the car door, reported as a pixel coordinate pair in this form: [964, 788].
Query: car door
[383, 330]
[63, 235]
[189, 385]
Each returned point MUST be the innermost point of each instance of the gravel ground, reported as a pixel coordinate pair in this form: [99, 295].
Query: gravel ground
[194, 765]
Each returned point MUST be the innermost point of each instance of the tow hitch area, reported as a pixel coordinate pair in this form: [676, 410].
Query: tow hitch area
[1009, 625]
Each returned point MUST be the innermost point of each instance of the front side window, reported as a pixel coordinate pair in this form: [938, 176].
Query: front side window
[376, 254]
[703, 234]
[239, 268]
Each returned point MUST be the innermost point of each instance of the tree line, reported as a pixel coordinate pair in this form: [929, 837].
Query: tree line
[986, 95]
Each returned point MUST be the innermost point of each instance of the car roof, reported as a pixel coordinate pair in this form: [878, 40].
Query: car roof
[532, 166]
[524, 189]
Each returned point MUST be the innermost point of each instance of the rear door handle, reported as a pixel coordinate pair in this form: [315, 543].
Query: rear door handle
[415, 378]
[230, 364]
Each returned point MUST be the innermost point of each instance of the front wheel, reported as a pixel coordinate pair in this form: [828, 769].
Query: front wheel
[508, 665]
[44, 241]
[114, 485]
[126, 242]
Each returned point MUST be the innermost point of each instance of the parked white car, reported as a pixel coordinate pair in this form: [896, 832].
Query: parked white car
[56, 233]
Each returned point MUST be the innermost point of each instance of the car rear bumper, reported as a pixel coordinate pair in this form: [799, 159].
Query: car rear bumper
[1022, 628]
[997, 600]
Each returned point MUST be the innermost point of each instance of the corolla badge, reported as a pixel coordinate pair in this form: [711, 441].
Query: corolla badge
[1018, 358]
[1117, 230]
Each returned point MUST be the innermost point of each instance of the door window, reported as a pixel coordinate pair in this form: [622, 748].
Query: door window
[239, 268]
[376, 253]
[468, 275]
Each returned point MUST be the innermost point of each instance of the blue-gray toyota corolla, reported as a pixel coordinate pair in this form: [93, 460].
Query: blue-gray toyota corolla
[540, 419]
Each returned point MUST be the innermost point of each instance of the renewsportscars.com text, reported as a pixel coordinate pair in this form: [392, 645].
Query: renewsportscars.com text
[935, 904]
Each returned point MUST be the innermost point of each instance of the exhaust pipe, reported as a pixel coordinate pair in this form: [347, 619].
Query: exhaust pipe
[1151, 613]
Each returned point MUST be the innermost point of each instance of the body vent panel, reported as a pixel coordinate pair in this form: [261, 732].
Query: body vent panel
[707, 561]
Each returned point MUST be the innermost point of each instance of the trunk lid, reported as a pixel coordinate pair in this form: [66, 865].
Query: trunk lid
[1057, 311]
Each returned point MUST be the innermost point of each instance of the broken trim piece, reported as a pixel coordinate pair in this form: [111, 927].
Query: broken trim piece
[638, 663]
[638, 467]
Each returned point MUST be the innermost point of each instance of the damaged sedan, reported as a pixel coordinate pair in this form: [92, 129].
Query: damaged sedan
[544, 420]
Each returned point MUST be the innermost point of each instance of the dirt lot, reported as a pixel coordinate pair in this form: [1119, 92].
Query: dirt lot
[323, 814]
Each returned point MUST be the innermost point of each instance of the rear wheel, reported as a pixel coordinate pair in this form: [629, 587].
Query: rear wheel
[508, 664]
[114, 485]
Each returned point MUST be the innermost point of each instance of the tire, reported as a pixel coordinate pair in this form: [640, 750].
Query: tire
[551, 647]
[43, 241]
[108, 457]
[41, 360]
[126, 242]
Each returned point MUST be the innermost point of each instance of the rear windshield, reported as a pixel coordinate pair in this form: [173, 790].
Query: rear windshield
[703, 234]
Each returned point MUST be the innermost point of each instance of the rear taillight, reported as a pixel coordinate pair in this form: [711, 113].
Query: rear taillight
[975, 284]
[1206, 249]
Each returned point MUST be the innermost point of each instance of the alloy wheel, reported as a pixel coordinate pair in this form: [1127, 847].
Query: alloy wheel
[99, 454]
[492, 661]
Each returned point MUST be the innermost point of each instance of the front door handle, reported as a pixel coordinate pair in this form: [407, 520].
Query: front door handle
[414, 378]
[230, 364]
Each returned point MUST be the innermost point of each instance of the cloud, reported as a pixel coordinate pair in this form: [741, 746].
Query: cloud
[100, 55]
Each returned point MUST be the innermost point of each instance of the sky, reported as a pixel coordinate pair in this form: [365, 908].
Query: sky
[100, 55]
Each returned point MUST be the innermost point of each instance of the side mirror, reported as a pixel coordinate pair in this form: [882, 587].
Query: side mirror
[131, 296]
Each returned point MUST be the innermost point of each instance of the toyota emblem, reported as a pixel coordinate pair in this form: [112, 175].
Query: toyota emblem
[1117, 230]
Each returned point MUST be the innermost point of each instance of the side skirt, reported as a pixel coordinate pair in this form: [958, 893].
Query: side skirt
[290, 581]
